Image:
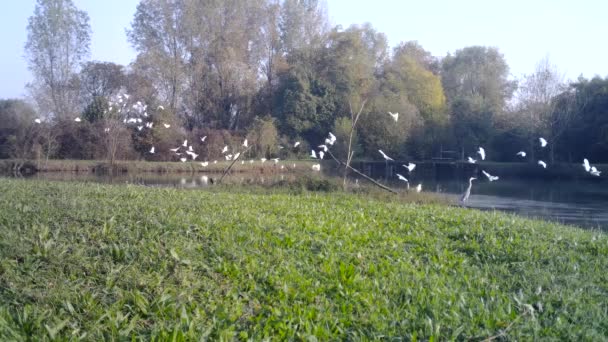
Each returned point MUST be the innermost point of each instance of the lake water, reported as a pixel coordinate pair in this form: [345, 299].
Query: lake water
[578, 202]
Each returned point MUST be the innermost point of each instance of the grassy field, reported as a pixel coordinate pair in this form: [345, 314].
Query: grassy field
[93, 262]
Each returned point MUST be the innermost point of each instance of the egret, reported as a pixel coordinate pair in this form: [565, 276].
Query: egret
[152, 150]
[472, 161]
[281, 147]
[107, 129]
[131, 120]
[543, 142]
[387, 158]
[204, 164]
[521, 154]
[467, 193]
[296, 144]
[149, 124]
[542, 163]
[183, 160]
[250, 161]
[482, 153]
[236, 156]
[160, 108]
[174, 149]
[490, 177]
[419, 187]
[166, 125]
[263, 160]
[225, 149]
[245, 143]
[139, 120]
[139, 128]
[321, 154]
[203, 138]
[77, 120]
[332, 137]
[404, 179]
[242, 162]
[595, 171]
[276, 160]
[395, 116]
[215, 162]
[410, 167]
[324, 147]
[316, 167]
[38, 121]
[229, 157]
[192, 154]
[586, 165]
[313, 154]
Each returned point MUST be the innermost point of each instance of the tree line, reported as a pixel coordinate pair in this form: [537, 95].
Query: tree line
[277, 72]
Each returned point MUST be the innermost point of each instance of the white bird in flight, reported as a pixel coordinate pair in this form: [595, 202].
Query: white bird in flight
[204, 164]
[521, 154]
[482, 153]
[296, 144]
[166, 125]
[586, 165]
[174, 149]
[595, 171]
[321, 154]
[139, 128]
[402, 178]
[203, 138]
[160, 108]
[245, 143]
[472, 161]
[192, 154]
[236, 156]
[263, 160]
[37, 121]
[395, 116]
[77, 120]
[316, 167]
[152, 150]
[324, 147]
[543, 142]
[419, 187]
[313, 154]
[410, 166]
[183, 160]
[276, 160]
[387, 158]
[185, 144]
[225, 149]
[490, 177]
[542, 163]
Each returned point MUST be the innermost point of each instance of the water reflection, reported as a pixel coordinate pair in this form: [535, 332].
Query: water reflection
[580, 202]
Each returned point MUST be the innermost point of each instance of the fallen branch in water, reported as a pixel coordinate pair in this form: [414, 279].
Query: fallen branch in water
[231, 164]
[341, 163]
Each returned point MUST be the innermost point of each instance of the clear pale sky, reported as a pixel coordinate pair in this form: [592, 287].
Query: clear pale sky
[572, 33]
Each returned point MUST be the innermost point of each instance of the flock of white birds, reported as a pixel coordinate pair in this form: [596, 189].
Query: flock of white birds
[133, 115]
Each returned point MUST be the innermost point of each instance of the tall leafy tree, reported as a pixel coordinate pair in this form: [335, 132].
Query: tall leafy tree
[57, 43]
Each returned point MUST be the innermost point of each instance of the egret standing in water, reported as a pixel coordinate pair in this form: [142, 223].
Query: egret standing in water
[467, 193]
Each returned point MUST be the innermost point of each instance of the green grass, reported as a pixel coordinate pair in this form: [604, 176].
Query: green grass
[94, 262]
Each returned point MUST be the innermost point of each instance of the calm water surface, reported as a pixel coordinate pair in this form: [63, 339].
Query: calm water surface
[583, 202]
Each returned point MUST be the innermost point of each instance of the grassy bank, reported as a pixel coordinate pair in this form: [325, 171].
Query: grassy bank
[135, 166]
[119, 262]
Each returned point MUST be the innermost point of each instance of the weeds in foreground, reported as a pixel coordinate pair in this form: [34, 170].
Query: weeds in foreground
[89, 261]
